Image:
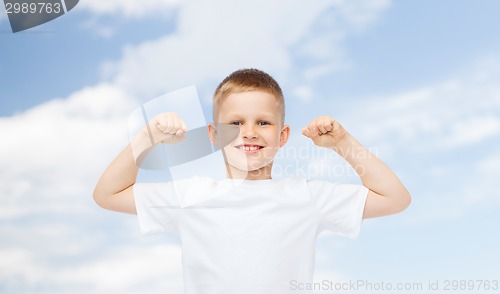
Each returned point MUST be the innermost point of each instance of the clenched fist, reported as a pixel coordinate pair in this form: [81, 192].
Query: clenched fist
[324, 131]
[166, 127]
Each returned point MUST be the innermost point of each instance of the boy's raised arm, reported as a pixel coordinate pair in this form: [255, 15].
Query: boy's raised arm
[114, 190]
[387, 194]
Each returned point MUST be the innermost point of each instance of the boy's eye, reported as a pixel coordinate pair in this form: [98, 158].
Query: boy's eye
[239, 123]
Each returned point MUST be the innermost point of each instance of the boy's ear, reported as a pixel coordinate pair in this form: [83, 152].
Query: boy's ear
[284, 135]
[222, 135]
[212, 134]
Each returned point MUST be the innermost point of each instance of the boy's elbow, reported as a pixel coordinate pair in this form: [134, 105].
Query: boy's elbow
[99, 198]
[398, 202]
[404, 201]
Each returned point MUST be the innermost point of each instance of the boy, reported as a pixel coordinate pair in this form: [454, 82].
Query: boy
[250, 233]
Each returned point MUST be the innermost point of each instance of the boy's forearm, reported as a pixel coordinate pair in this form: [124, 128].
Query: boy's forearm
[374, 173]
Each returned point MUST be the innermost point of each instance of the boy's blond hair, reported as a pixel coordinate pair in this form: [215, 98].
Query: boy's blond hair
[244, 80]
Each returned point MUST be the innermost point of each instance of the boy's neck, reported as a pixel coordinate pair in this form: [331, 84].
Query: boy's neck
[263, 173]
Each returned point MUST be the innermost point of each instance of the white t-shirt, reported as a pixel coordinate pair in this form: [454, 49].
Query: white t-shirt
[243, 236]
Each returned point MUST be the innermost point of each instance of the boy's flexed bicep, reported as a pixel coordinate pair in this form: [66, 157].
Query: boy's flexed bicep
[115, 189]
[387, 195]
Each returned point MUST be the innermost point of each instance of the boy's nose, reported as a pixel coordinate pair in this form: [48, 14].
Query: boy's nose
[248, 131]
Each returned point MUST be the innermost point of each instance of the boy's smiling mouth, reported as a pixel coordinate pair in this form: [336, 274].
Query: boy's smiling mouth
[249, 148]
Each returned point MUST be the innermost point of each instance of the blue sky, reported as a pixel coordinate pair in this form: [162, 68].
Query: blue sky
[416, 81]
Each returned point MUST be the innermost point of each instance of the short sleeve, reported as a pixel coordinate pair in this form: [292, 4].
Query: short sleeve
[157, 206]
[340, 207]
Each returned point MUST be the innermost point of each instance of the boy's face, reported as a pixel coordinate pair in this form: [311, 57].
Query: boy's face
[258, 117]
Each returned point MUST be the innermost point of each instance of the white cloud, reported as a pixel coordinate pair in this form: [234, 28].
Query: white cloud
[129, 8]
[214, 38]
[304, 93]
[127, 270]
[490, 165]
[132, 270]
[452, 114]
[52, 156]
[361, 14]
[484, 188]
[55, 151]
[472, 130]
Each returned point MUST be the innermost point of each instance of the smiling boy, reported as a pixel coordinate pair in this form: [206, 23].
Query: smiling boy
[261, 133]
[250, 233]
